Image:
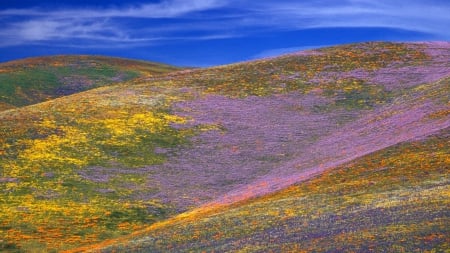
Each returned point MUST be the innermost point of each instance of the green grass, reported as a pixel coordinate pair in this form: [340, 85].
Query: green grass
[357, 94]
[40, 79]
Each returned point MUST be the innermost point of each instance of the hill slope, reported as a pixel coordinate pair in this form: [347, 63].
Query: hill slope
[34, 80]
[394, 200]
[117, 159]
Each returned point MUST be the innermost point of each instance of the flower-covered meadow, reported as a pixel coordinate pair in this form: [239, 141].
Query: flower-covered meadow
[394, 200]
[74, 163]
[104, 163]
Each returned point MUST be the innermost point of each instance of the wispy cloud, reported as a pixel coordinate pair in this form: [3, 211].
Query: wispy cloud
[164, 9]
[91, 26]
[414, 15]
[214, 19]
[54, 30]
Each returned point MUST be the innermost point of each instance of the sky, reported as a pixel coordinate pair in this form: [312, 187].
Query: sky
[210, 32]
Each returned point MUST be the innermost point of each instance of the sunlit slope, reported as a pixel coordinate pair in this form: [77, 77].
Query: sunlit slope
[286, 115]
[116, 159]
[34, 80]
[393, 200]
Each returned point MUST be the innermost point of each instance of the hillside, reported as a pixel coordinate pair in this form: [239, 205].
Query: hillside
[394, 200]
[187, 151]
[34, 80]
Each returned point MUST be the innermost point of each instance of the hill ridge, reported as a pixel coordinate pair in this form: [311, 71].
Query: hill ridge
[36, 79]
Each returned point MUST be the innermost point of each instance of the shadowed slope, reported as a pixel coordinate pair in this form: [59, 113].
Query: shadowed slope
[116, 159]
[33, 80]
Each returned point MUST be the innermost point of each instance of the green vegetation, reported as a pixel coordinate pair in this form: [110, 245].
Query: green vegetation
[356, 94]
[35, 80]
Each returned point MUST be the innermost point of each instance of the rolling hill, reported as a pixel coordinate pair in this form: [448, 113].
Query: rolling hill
[34, 80]
[335, 149]
[393, 200]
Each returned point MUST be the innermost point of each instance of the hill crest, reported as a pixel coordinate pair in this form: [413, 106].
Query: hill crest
[33, 80]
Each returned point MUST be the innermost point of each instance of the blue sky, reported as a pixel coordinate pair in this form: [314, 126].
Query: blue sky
[210, 32]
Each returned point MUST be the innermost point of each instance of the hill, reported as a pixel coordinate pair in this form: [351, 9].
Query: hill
[393, 200]
[192, 147]
[34, 80]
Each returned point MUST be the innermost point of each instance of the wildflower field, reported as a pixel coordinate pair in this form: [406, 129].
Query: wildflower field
[328, 150]
[35, 80]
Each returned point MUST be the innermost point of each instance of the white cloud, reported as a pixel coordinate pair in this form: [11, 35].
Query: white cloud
[414, 15]
[35, 30]
[243, 17]
[164, 9]
[97, 24]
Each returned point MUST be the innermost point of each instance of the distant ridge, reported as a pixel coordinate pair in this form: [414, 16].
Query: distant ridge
[33, 80]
